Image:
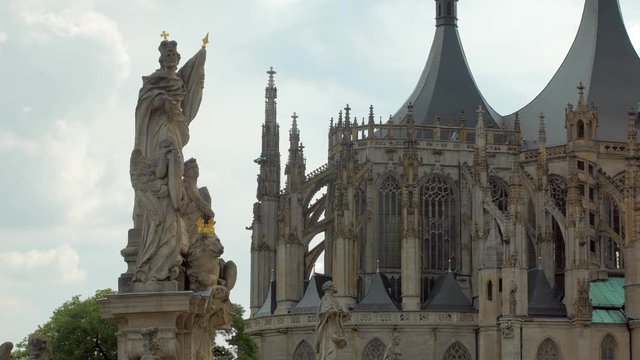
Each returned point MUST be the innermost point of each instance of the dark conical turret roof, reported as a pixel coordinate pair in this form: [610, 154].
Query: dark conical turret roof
[542, 298]
[378, 297]
[604, 60]
[447, 296]
[446, 87]
[311, 299]
[269, 305]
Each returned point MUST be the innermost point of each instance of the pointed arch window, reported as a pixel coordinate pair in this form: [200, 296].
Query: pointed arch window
[374, 350]
[580, 134]
[304, 351]
[608, 348]
[457, 351]
[499, 193]
[389, 222]
[548, 350]
[558, 192]
[439, 228]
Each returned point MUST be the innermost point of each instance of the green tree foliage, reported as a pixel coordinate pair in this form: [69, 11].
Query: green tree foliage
[77, 332]
[240, 342]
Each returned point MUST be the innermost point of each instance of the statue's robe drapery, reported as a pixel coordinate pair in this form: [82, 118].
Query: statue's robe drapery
[158, 188]
[156, 121]
[329, 328]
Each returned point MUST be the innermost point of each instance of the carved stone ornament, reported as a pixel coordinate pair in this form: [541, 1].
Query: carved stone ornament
[392, 352]
[38, 348]
[151, 345]
[5, 351]
[507, 330]
[582, 303]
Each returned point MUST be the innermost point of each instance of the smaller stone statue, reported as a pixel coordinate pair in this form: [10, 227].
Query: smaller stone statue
[38, 348]
[582, 303]
[197, 201]
[151, 344]
[392, 352]
[513, 301]
[330, 335]
[5, 351]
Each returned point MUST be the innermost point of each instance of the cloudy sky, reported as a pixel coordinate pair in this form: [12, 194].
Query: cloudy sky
[71, 73]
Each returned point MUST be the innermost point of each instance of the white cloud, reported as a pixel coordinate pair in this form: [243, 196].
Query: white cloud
[64, 259]
[634, 34]
[3, 37]
[78, 23]
[11, 141]
[11, 304]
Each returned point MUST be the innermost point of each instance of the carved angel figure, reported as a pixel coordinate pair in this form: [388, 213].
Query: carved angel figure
[158, 186]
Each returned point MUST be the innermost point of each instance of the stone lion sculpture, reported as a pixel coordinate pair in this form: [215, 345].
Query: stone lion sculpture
[206, 270]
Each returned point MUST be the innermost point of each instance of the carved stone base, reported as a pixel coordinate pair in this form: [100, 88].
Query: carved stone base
[183, 322]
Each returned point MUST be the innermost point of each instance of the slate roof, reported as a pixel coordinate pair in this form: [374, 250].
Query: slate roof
[378, 297]
[446, 295]
[542, 298]
[311, 299]
[603, 58]
[446, 86]
[269, 305]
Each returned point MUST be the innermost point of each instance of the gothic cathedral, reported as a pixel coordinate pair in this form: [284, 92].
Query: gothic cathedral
[470, 234]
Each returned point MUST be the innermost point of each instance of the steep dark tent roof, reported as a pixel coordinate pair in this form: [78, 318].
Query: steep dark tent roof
[311, 299]
[377, 297]
[603, 58]
[446, 86]
[542, 298]
[269, 305]
[447, 296]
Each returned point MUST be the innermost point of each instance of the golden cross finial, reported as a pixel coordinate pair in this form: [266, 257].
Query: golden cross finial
[205, 41]
[164, 35]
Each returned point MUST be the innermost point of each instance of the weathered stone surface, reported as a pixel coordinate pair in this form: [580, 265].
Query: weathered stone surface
[5, 351]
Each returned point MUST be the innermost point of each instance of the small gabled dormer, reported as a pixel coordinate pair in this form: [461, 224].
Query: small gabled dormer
[581, 121]
[446, 12]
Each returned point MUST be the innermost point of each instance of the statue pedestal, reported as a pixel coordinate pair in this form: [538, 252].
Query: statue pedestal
[185, 322]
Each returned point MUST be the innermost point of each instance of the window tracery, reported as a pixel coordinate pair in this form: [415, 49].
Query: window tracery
[389, 223]
[499, 193]
[304, 351]
[548, 350]
[457, 351]
[374, 350]
[438, 209]
[558, 192]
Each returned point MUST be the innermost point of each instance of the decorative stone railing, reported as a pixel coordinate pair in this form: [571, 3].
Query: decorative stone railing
[406, 318]
[389, 132]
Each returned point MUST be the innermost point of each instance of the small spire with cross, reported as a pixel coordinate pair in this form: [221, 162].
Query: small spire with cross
[164, 35]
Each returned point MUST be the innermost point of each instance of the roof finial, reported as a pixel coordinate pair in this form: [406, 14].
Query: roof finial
[347, 115]
[540, 262]
[271, 72]
[449, 265]
[371, 116]
[377, 265]
[542, 133]
[273, 275]
[581, 94]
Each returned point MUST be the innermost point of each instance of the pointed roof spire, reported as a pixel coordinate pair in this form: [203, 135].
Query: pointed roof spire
[377, 297]
[603, 57]
[446, 85]
[371, 116]
[542, 133]
[580, 88]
